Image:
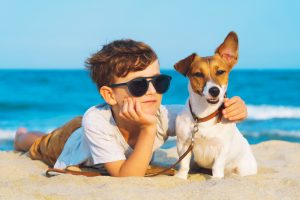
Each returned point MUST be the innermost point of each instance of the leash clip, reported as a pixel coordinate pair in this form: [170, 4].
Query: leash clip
[195, 130]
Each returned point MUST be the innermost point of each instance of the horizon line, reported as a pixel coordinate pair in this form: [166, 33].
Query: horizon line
[83, 69]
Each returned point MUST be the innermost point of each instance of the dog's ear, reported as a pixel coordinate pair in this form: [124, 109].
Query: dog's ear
[183, 65]
[228, 50]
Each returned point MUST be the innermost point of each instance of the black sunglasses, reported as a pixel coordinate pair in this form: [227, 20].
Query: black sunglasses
[139, 86]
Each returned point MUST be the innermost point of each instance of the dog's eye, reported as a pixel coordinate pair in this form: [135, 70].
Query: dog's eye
[198, 74]
[220, 72]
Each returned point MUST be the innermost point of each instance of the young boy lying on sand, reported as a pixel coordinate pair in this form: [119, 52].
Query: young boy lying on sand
[120, 136]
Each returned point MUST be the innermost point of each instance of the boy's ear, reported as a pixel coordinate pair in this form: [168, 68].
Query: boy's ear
[183, 65]
[228, 50]
[108, 95]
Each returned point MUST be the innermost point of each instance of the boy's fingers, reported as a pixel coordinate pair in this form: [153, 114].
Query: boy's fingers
[232, 113]
[232, 100]
[138, 108]
[231, 108]
[125, 109]
[131, 109]
[235, 109]
[234, 104]
[122, 115]
[238, 117]
[235, 112]
[226, 99]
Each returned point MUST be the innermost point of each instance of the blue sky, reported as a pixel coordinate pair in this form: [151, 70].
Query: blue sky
[62, 34]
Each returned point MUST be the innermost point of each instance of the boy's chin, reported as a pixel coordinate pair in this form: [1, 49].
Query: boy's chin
[150, 110]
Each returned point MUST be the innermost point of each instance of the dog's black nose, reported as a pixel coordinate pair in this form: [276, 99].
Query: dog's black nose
[214, 91]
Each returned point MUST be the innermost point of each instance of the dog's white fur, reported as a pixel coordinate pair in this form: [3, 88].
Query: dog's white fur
[218, 146]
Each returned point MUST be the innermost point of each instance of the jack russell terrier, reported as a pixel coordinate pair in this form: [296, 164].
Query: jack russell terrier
[218, 144]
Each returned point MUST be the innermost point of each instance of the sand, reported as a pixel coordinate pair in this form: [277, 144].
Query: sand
[278, 178]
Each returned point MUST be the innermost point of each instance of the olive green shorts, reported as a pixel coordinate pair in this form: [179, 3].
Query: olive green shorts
[49, 147]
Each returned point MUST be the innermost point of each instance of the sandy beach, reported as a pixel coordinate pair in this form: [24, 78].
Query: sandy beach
[278, 178]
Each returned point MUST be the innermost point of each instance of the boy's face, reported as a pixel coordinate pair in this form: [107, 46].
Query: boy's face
[150, 101]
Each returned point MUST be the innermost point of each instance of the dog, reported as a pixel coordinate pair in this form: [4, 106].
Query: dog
[218, 144]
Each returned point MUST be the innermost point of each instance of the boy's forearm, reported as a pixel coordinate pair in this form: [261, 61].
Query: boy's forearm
[137, 163]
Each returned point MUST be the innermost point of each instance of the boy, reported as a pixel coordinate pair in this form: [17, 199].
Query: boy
[120, 136]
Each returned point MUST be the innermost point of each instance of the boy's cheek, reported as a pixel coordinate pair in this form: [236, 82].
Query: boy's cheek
[120, 98]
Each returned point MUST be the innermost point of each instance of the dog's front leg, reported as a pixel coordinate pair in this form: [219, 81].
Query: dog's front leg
[185, 163]
[218, 167]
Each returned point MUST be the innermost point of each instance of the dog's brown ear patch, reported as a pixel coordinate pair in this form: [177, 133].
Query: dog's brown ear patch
[228, 50]
[183, 65]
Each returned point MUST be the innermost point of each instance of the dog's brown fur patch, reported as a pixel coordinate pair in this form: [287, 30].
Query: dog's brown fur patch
[202, 69]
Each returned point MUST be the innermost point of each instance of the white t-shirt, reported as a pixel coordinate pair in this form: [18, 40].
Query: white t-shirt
[100, 141]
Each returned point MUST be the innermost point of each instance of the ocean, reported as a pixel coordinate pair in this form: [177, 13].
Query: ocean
[46, 99]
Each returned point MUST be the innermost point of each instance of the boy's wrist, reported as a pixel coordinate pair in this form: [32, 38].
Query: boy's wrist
[148, 128]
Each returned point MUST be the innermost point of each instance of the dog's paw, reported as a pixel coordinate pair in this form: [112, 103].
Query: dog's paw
[218, 175]
[218, 171]
[181, 175]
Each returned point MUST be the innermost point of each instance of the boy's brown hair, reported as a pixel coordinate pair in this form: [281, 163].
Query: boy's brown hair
[118, 58]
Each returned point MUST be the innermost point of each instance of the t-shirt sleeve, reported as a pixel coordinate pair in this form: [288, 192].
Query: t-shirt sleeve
[170, 113]
[99, 134]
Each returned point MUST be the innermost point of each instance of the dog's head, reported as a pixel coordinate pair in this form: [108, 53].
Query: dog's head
[209, 75]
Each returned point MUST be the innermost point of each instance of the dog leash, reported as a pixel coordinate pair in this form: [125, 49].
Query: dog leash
[53, 171]
[195, 130]
[190, 148]
[50, 171]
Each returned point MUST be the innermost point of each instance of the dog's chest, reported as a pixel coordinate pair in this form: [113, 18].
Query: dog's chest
[209, 142]
[206, 150]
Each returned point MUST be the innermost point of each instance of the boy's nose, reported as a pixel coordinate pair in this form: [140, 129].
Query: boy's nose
[151, 89]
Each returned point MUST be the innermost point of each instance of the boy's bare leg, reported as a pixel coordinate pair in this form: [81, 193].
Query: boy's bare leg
[24, 139]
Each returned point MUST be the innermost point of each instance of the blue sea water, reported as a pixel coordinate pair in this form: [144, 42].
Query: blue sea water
[45, 99]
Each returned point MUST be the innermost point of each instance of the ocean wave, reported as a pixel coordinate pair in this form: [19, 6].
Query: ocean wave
[8, 134]
[264, 112]
[7, 137]
[273, 133]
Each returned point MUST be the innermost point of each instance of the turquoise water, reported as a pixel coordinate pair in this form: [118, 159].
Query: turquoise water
[45, 99]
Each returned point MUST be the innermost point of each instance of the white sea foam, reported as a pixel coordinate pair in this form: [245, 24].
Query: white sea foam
[10, 134]
[264, 112]
[7, 134]
[275, 132]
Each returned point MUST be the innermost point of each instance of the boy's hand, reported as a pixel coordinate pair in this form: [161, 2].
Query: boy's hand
[235, 109]
[136, 164]
[132, 111]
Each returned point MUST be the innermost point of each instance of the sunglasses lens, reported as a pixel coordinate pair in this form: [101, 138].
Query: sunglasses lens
[138, 87]
[162, 83]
